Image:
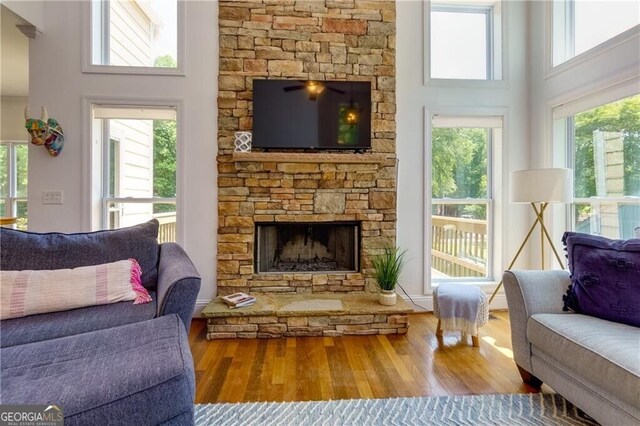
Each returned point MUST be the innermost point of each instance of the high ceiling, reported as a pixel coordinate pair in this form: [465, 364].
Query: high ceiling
[14, 55]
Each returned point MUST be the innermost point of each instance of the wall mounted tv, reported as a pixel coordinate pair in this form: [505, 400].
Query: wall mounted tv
[295, 114]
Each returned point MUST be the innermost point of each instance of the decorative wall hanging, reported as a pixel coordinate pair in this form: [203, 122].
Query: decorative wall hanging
[45, 131]
[243, 141]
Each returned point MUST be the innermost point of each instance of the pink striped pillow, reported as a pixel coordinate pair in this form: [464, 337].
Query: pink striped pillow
[25, 293]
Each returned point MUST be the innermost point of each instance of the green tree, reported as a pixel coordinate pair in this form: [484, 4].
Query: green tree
[164, 152]
[623, 117]
[459, 169]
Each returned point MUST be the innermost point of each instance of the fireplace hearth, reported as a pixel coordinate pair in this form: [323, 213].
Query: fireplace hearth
[307, 247]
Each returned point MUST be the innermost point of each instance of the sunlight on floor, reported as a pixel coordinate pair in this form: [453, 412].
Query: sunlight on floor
[504, 351]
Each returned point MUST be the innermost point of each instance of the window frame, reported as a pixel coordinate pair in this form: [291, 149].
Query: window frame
[92, 171]
[567, 43]
[496, 44]
[11, 199]
[102, 19]
[570, 163]
[493, 201]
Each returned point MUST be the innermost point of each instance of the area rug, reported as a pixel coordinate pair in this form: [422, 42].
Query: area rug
[508, 410]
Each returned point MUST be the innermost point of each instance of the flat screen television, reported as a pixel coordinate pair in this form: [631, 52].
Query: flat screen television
[293, 114]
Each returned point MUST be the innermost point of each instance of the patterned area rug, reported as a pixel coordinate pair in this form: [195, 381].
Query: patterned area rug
[508, 410]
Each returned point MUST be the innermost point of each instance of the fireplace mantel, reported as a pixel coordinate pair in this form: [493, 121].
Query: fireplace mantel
[312, 157]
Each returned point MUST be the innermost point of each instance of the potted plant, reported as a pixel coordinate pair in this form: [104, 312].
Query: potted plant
[388, 267]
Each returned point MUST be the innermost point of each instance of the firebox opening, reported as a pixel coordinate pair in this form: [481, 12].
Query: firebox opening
[307, 247]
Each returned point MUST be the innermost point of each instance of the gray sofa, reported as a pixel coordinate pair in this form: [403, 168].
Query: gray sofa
[118, 363]
[593, 363]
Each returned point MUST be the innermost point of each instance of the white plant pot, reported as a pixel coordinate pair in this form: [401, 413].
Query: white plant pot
[387, 297]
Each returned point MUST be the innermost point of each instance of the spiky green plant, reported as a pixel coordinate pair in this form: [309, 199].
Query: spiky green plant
[388, 267]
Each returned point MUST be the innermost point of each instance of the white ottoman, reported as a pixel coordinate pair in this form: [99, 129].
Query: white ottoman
[460, 307]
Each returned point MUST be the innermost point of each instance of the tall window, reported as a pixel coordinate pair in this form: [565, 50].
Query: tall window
[604, 152]
[13, 181]
[461, 216]
[579, 25]
[134, 33]
[465, 40]
[138, 166]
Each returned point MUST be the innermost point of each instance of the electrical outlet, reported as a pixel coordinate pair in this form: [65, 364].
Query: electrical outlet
[52, 197]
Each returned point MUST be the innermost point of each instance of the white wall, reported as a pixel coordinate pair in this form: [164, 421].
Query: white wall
[12, 119]
[508, 98]
[56, 80]
[31, 11]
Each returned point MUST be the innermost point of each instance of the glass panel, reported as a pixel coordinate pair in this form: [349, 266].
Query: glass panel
[459, 45]
[22, 161]
[4, 170]
[611, 220]
[21, 224]
[135, 33]
[142, 163]
[459, 240]
[164, 158]
[459, 160]
[607, 150]
[580, 25]
[3, 211]
[598, 21]
[120, 215]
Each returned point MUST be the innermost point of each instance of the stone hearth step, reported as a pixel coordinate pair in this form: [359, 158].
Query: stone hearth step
[318, 314]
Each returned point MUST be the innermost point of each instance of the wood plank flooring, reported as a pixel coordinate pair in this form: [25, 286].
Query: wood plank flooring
[323, 368]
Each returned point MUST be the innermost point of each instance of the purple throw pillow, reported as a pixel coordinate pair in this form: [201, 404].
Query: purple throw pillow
[605, 277]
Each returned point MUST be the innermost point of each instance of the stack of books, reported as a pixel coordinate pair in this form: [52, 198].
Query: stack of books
[238, 300]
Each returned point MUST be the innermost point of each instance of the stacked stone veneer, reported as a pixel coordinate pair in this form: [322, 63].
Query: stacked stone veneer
[325, 325]
[318, 40]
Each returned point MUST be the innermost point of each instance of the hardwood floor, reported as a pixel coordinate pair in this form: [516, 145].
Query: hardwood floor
[322, 368]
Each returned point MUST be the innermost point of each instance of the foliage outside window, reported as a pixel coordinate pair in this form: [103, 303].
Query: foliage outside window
[580, 25]
[604, 151]
[461, 202]
[465, 40]
[139, 166]
[14, 157]
[133, 32]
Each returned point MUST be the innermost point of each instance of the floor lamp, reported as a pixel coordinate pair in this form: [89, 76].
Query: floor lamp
[539, 187]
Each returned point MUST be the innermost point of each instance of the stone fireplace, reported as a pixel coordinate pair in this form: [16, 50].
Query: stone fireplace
[307, 247]
[346, 40]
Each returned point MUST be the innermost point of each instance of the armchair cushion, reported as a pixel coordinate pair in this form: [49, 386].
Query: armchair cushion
[36, 328]
[21, 250]
[604, 277]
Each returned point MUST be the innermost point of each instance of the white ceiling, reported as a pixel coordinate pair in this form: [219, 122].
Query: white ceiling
[14, 55]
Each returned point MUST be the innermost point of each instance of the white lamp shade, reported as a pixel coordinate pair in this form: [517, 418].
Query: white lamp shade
[542, 186]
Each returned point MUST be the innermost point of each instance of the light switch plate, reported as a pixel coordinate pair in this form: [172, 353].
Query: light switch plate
[52, 197]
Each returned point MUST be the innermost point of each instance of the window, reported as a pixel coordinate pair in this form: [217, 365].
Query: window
[134, 33]
[138, 166]
[461, 196]
[579, 25]
[14, 156]
[465, 40]
[604, 152]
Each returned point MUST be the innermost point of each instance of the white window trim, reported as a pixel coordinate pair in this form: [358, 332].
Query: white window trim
[550, 70]
[92, 185]
[498, 193]
[87, 43]
[497, 57]
[11, 197]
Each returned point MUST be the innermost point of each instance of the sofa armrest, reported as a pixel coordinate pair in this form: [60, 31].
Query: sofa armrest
[528, 293]
[178, 283]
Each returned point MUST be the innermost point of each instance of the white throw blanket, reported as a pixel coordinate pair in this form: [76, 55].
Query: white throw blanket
[460, 307]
